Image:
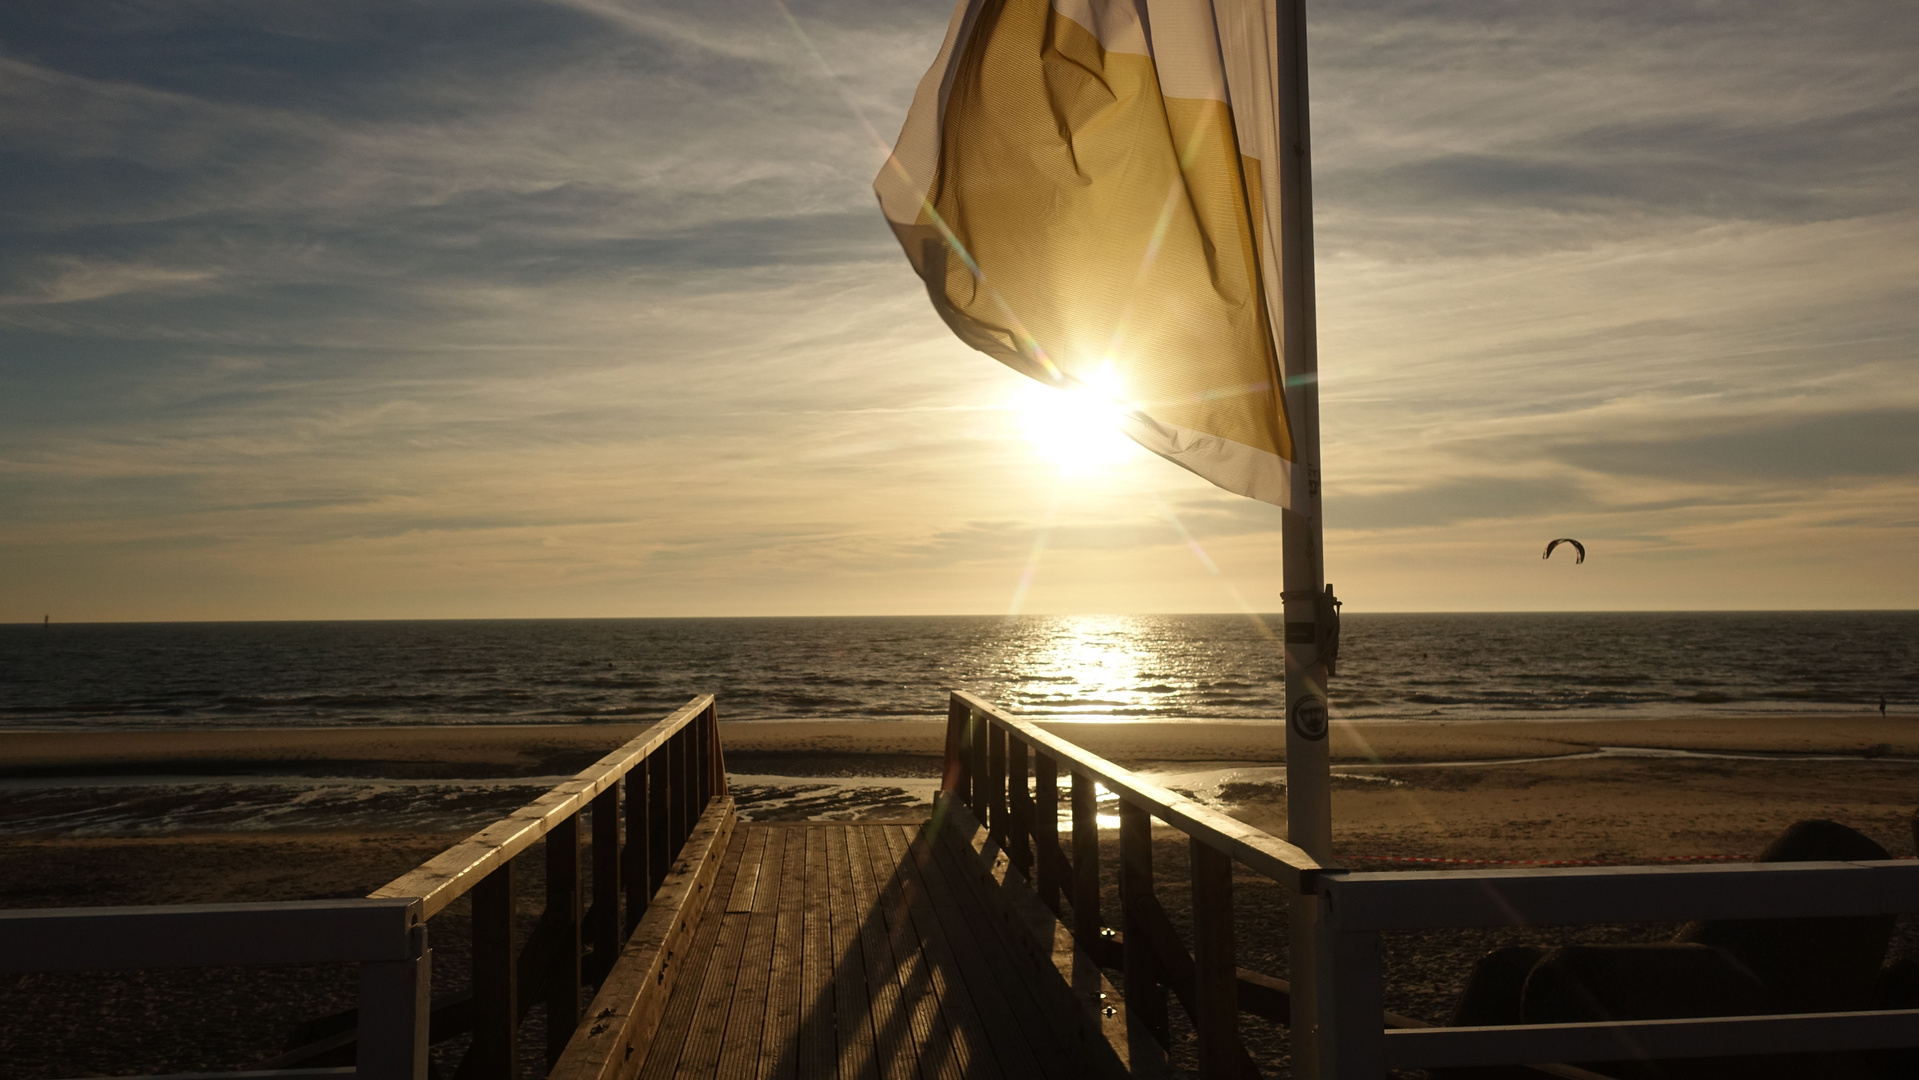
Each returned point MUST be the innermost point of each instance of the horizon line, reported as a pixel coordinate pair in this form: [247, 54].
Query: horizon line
[958, 615]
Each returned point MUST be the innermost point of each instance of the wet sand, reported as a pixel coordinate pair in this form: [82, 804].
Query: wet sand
[1561, 789]
[526, 749]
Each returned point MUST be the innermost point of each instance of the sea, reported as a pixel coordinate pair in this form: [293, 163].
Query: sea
[1129, 668]
[1155, 668]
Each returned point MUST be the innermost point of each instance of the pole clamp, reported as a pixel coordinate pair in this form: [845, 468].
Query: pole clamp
[1325, 624]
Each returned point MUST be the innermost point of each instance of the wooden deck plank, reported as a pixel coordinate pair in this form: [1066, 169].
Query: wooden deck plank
[669, 1039]
[1084, 1006]
[740, 898]
[850, 952]
[995, 1015]
[852, 1007]
[786, 1003]
[818, 1044]
[1052, 1043]
[995, 974]
[719, 990]
[892, 1031]
[916, 1007]
[973, 1049]
[1002, 975]
[936, 1049]
[701, 1058]
[740, 1050]
[970, 1050]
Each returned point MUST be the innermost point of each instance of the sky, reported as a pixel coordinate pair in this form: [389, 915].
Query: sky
[340, 309]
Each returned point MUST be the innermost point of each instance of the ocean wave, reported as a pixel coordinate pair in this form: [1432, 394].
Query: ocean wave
[1173, 667]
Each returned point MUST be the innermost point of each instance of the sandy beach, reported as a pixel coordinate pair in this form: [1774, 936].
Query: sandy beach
[1562, 789]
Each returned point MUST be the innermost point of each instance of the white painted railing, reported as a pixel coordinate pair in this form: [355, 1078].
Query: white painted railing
[987, 767]
[387, 938]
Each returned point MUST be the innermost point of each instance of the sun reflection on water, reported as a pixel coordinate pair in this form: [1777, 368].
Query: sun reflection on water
[1106, 811]
[1121, 667]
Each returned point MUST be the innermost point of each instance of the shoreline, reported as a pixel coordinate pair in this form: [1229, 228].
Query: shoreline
[502, 750]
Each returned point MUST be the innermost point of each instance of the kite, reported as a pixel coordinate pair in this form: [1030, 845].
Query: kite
[1577, 546]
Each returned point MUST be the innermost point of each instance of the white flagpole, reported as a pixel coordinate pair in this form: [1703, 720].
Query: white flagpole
[1310, 617]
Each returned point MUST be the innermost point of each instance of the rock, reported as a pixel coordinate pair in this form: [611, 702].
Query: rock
[1493, 990]
[1897, 988]
[1813, 965]
[1587, 983]
[1725, 967]
[1492, 997]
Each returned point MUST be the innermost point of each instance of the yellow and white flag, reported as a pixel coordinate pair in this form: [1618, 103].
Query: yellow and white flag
[1085, 185]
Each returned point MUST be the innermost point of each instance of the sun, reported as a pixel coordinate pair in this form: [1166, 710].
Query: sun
[1076, 427]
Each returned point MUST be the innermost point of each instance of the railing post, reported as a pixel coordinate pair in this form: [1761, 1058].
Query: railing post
[1020, 824]
[1145, 989]
[676, 791]
[1302, 933]
[1351, 1005]
[957, 779]
[996, 784]
[496, 999]
[702, 766]
[396, 1004]
[1215, 970]
[982, 778]
[563, 916]
[1086, 919]
[605, 930]
[719, 752]
[1046, 827]
[633, 869]
[659, 830]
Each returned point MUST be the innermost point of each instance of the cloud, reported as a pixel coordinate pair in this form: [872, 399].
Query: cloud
[1781, 449]
[1001, 540]
[1513, 127]
[1450, 502]
[586, 303]
[72, 280]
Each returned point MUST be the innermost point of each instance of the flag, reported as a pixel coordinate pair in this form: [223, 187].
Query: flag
[1085, 188]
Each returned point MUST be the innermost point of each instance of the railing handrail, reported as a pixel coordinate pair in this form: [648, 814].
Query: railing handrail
[1566, 896]
[206, 935]
[1254, 848]
[1704, 1036]
[447, 876]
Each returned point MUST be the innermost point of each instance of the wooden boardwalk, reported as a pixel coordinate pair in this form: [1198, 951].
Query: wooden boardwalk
[727, 950]
[852, 952]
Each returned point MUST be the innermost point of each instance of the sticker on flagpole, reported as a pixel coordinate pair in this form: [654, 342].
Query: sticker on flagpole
[1309, 718]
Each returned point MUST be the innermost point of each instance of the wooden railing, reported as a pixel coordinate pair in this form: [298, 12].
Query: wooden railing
[657, 814]
[988, 757]
[1010, 773]
[1355, 909]
[385, 938]
[642, 802]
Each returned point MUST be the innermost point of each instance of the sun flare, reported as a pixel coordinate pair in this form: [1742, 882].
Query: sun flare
[1076, 427]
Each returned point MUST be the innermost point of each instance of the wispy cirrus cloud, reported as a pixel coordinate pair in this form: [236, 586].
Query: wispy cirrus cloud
[582, 307]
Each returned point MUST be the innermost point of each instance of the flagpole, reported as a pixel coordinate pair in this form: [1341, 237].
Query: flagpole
[1310, 616]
